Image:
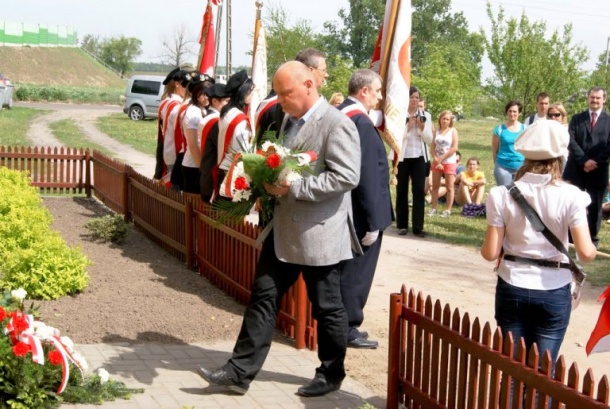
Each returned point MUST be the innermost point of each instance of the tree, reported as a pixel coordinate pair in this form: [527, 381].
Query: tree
[177, 45]
[285, 41]
[432, 23]
[355, 40]
[92, 44]
[446, 80]
[339, 73]
[600, 77]
[119, 52]
[526, 63]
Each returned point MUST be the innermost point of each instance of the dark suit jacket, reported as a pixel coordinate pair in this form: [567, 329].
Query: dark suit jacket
[371, 203]
[585, 144]
[209, 159]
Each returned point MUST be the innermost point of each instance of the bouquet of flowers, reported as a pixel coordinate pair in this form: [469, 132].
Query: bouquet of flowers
[39, 368]
[244, 182]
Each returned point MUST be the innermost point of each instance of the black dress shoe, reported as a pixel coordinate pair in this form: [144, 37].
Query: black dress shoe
[420, 233]
[402, 232]
[364, 334]
[319, 386]
[220, 377]
[362, 343]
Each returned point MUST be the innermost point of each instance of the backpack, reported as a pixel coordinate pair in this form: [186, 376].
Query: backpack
[473, 210]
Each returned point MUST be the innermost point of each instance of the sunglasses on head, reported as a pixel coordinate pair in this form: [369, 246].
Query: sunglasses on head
[554, 115]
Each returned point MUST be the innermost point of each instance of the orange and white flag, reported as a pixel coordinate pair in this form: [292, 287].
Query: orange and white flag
[392, 59]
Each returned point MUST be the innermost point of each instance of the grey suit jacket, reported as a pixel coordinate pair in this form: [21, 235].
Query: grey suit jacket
[311, 224]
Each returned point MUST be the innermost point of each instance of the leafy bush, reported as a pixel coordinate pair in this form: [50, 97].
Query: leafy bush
[33, 359]
[108, 228]
[32, 255]
[34, 92]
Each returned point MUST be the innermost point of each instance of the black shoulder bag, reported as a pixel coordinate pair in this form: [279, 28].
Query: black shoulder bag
[578, 274]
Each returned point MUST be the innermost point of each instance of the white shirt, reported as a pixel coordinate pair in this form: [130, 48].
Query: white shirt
[415, 141]
[192, 117]
[536, 118]
[560, 206]
[240, 141]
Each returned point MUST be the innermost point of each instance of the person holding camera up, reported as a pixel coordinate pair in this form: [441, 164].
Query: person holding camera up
[412, 167]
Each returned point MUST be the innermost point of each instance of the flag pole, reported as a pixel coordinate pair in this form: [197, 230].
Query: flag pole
[257, 27]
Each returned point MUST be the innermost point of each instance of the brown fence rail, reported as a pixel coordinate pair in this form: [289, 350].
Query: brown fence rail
[52, 170]
[439, 359]
[184, 226]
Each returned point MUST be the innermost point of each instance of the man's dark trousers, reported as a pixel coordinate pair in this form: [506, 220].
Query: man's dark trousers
[356, 278]
[271, 281]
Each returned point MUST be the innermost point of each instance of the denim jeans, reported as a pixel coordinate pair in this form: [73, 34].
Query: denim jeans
[539, 316]
[504, 176]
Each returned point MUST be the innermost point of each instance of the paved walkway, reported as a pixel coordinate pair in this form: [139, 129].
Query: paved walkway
[167, 374]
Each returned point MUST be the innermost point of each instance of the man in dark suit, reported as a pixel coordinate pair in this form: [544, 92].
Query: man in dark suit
[589, 150]
[311, 234]
[371, 204]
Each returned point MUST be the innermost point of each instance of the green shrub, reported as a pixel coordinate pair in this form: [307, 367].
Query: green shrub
[108, 228]
[32, 255]
[34, 92]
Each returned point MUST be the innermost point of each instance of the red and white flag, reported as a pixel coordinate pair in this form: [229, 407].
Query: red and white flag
[599, 341]
[392, 59]
[207, 50]
[259, 72]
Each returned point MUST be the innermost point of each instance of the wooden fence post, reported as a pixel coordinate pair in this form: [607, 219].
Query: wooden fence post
[88, 173]
[188, 231]
[396, 301]
[126, 210]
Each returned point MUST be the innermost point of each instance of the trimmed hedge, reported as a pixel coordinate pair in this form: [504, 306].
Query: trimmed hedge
[32, 255]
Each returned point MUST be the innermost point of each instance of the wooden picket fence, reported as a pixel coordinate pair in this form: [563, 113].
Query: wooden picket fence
[52, 170]
[440, 359]
[225, 253]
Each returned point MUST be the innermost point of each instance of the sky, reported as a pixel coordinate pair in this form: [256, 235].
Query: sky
[151, 20]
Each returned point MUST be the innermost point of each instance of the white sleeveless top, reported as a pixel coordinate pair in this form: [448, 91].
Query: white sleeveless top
[442, 143]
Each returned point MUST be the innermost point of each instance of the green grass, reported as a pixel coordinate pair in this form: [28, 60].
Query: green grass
[140, 135]
[14, 125]
[69, 134]
[475, 140]
[91, 95]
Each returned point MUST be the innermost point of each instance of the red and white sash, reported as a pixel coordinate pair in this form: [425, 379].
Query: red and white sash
[263, 107]
[207, 123]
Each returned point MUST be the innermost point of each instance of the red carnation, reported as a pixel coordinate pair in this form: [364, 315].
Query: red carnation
[20, 322]
[2, 314]
[241, 183]
[274, 160]
[55, 357]
[21, 348]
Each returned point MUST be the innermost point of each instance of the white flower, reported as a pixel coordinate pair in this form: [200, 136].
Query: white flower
[68, 343]
[44, 331]
[279, 149]
[80, 361]
[304, 158]
[19, 294]
[103, 374]
[289, 175]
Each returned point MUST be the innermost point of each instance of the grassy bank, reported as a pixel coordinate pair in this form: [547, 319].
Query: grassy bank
[79, 95]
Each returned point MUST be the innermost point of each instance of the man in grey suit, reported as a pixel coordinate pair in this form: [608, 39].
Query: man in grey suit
[311, 234]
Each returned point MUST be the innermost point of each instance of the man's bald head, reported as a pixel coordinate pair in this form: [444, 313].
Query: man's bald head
[295, 86]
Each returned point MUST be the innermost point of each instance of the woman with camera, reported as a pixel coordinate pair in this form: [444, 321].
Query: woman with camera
[533, 295]
[506, 159]
[413, 167]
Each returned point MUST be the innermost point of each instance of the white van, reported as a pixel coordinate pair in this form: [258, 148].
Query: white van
[143, 96]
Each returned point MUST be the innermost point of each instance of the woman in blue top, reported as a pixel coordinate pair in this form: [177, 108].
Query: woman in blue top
[506, 159]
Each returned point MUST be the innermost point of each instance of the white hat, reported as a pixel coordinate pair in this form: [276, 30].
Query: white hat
[543, 140]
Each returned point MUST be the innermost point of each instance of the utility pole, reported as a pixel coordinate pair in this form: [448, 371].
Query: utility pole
[607, 49]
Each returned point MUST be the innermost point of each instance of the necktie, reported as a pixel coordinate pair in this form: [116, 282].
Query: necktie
[593, 119]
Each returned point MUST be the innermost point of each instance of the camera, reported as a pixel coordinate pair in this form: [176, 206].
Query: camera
[418, 114]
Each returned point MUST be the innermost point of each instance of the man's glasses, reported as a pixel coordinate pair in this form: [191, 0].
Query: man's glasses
[553, 115]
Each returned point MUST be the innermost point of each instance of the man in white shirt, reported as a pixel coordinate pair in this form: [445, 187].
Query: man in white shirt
[542, 106]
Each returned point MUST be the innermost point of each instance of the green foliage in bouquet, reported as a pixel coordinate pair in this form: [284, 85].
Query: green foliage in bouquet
[110, 228]
[32, 255]
[26, 384]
